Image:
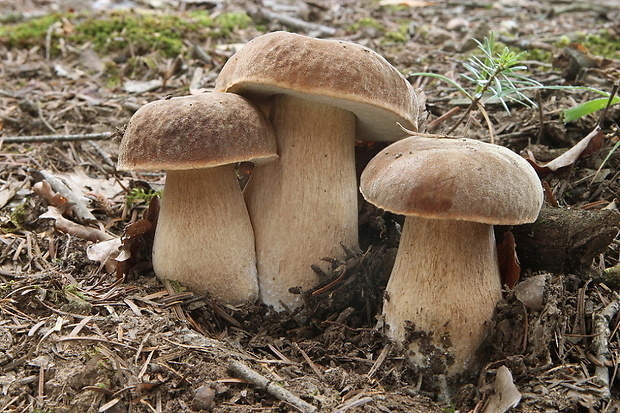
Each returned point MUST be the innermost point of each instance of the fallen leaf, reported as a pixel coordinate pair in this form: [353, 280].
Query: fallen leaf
[591, 143]
[105, 253]
[66, 226]
[6, 194]
[139, 86]
[509, 267]
[78, 181]
[45, 191]
[137, 238]
[505, 394]
[531, 292]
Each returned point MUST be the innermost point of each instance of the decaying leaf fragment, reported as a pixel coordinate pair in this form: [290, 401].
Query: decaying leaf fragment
[509, 267]
[505, 393]
[105, 252]
[66, 226]
[591, 143]
[138, 236]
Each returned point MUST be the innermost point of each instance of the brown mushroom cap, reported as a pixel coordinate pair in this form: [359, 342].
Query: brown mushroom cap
[333, 72]
[198, 131]
[459, 179]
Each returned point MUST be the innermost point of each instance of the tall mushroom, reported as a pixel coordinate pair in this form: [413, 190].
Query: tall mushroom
[324, 95]
[445, 282]
[204, 237]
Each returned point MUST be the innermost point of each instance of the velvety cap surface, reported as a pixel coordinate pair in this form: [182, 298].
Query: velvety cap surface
[460, 179]
[198, 131]
[338, 73]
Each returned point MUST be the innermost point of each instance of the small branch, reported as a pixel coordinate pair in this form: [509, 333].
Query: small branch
[541, 117]
[600, 342]
[312, 365]
[104, 155]
[614, 90]
[56, 138]
[270, 387]
[317, 30]
[65, 226]
[382, 356]
[488, 121]
[436, 122]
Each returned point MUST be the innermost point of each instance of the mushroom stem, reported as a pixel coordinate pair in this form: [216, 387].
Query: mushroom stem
[303, 206]
[204, 237]
[442, 292]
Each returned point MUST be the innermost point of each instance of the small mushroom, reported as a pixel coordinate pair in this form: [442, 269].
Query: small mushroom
[445, 283]
[321, 95]
[204, 237]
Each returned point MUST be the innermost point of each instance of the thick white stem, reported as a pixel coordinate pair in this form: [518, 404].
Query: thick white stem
[303, 206]
[445, 282]
[204, 237]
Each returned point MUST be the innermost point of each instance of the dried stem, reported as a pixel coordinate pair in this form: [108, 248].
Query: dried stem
[270, 387]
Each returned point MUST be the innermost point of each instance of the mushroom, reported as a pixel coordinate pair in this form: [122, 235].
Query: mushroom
[324, 95]
[204, 237]
[445, 283]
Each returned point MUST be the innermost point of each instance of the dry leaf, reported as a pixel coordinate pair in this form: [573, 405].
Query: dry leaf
[62, 224]
[509, 267]
[105, 253]
[505, 394]
[45, 191]
[138, 237]
[531, 292]
[591, 143]
[140, 86]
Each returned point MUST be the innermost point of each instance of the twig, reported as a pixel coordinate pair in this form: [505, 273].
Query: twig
[41, 387]
[541, 117]
[270, 387]
[95, 339]
[614, 90]
[436, 122]
[56, 138]
[45, 122]
[600, 342]
[354, 402]
[317, 30]
[63, 225]
[104, 155]
[384, 353]
[312, 365]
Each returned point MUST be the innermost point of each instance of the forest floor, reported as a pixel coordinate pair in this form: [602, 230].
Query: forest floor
[78, 336]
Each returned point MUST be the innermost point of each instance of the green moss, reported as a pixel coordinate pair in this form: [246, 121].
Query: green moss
[137, 33]
[28, 34]
[601, 44]
[538, 55]
[399, 36]
[366, 22]
[141, 195]
[227, 23]
[19, 215]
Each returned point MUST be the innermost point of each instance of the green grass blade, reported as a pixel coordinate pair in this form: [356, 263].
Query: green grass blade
[587, 108]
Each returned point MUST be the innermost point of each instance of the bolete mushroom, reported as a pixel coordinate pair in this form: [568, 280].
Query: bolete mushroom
[322, 95]
[445, 283]
[204, 237]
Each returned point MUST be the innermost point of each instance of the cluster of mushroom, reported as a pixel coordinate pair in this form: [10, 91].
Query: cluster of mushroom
[319, 96]
[295, 105]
